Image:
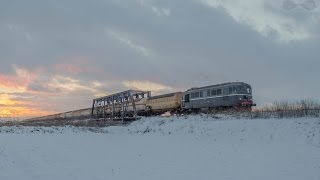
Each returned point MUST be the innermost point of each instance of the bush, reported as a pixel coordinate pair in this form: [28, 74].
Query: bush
[288, 109]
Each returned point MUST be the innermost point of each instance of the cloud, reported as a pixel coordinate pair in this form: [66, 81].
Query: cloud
[69, 67]
[147, 86]
[10, 105]
[15, 100]
[125, 39]
[76, 65]
[29, 91]
[15, 97]
[23, 112]
[156, 10]
[67, 84]
[18, 81]
[151, 45]
[18, 30]
[28, 37]
[266, 18]
[5, 99]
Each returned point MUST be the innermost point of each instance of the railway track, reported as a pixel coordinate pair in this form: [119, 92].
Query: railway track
[75, 123]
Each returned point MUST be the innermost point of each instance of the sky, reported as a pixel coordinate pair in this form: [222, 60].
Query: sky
[58, 55]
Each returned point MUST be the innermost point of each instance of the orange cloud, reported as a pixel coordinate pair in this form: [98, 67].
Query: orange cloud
[17, 82]
[8, 100]
[24, 112]
[11, 84]
[5, 100]
[16, 108]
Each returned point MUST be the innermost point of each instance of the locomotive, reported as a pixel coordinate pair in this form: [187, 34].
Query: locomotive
[237, 95]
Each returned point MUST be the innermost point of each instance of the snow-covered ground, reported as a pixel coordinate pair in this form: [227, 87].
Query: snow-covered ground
[193, 148]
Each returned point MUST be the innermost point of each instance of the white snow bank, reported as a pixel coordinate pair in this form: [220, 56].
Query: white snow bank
[165, 148]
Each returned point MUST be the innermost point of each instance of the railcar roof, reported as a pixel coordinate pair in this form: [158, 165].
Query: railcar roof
[216, 85]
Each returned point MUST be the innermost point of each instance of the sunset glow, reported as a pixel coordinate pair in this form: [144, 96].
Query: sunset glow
[26, 94]
[40, 91]
[9, 107]
[23, 112]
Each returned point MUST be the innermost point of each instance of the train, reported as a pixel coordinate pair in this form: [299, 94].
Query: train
[237, 95]
[231, 95]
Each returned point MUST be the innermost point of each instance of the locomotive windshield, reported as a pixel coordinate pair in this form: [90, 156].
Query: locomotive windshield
[248, 89]
[244, 89]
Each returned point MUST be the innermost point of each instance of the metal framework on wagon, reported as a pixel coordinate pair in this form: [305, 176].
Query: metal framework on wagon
[105, 107]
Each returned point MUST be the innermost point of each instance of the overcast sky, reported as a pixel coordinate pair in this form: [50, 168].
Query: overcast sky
[58, 55]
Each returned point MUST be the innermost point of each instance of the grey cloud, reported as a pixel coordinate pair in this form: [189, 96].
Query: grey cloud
[193, 46]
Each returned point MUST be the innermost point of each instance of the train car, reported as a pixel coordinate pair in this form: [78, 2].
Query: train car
[140, 106]
[81, 113]
[57, 116]
[85, 112]
[68, 115]
[227, 95]
[164, 103]
[62, 115]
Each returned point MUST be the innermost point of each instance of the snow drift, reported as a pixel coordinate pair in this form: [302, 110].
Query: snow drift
[194, 147]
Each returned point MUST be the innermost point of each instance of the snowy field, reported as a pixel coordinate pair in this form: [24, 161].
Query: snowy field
[193, 148]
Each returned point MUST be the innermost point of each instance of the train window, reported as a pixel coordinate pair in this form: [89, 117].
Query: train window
[208, 93]
[226, 91]
[240, 88]
[230, 90]
[234, 89]
[201, 93]
[197, 94]
[187, 98]
[248, 90]
[219, 91]
[213, 92]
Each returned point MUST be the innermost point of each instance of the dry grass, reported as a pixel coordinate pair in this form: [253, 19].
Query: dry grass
[288, 109]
